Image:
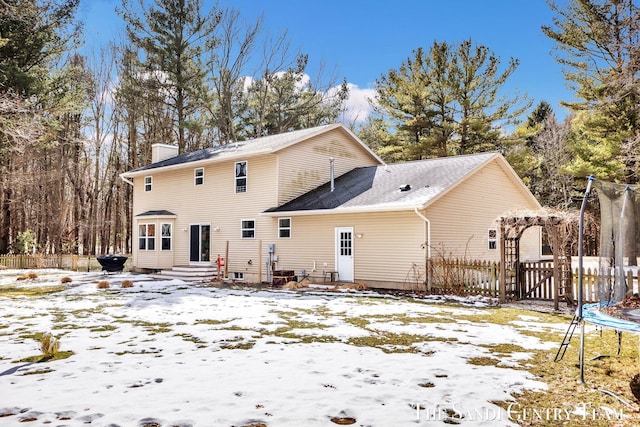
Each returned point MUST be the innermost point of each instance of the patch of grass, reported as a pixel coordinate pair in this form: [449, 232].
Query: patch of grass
[42, 358]
[38, 371]
[238, 346]
[360, 322]
[152, 328]
[31, 291]
[565, 391]
[508, 315]
[389, 342]
[103, 328]
[212, 322]
[422, 318]
[505, 348]
[192, 338]
[483, 361]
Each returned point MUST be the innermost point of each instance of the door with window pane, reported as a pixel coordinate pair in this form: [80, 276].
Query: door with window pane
[200, 243]
[344, 253]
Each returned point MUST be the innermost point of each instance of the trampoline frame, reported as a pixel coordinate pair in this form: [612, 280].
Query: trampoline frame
[593, 314]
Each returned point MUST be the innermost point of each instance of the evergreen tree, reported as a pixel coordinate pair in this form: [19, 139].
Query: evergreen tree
[172, 35]
[597, 43]
[446, 101]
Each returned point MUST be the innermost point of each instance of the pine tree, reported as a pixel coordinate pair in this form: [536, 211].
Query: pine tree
[173, 35]
[597, 43]
[447, 101]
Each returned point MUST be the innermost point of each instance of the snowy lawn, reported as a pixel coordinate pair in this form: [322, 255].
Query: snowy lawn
[168, 353]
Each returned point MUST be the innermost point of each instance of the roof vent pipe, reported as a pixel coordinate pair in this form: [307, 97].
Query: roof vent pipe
[332, 173]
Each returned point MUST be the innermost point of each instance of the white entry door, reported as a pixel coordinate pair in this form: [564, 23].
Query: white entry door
[344, 253]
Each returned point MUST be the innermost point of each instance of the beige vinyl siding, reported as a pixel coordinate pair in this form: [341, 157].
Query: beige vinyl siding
[156, 258]
[305, 166]
[390, 250]
[214, 203]
[460, 220]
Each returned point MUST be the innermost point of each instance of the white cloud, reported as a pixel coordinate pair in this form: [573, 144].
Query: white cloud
[357, 106]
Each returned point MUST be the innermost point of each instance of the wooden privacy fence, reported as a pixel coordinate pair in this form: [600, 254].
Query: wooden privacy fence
[64, 262]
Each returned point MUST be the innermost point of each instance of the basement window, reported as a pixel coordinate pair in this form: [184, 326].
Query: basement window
[493, 238]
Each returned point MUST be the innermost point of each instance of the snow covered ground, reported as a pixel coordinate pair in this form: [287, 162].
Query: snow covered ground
[167, 353]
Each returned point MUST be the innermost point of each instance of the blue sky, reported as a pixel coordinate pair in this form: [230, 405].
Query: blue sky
[362, 40]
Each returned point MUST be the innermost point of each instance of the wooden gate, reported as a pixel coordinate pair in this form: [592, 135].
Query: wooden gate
[537, 280]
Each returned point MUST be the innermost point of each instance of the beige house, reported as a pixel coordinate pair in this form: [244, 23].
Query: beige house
[319, 202]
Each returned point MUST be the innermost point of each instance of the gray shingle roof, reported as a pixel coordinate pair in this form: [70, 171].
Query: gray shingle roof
[265, 144]
[379, 187]
[160, 212]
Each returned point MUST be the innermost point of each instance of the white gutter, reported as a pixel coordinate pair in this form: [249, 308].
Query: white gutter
[196, 163]
[338, 211]
[125, 179]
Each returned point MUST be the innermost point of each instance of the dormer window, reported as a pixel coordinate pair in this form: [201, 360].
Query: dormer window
[241, 177]
[148, 183]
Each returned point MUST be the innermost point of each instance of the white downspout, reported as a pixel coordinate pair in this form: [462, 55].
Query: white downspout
[426, 220]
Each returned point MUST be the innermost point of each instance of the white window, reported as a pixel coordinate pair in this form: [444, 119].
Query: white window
[165, 234]
[248, 228]
[241, 177]
[493, 238]
[147, 237]
[198, 176]
[147, 183]
[238, 275]
[284, 228]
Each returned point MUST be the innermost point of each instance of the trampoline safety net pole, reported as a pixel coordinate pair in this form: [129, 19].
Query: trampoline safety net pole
[580, 274]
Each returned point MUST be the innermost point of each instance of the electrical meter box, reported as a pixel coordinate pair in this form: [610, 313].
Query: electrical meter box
[271, 248]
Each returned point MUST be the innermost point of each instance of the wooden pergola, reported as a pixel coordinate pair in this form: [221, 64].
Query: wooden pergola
[560, 226]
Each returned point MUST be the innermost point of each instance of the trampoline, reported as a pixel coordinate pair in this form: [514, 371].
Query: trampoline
[593, 313]
[619, 250]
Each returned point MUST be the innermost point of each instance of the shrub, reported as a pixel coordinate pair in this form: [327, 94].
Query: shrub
[356, 286]
[49, 344]
[292, 285]
[126, 284]
[103, 284]
[66, 279]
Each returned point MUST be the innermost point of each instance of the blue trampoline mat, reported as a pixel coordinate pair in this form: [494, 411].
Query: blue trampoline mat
[591, 313]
